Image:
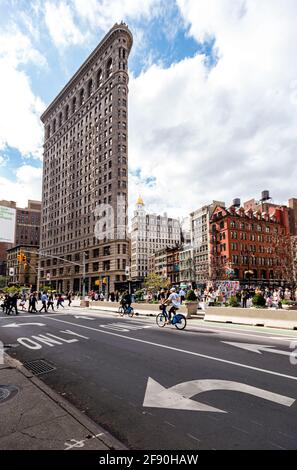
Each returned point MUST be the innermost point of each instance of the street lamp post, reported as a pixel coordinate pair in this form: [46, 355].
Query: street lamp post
[84, 275]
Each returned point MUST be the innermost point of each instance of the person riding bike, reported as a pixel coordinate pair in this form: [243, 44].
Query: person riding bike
[174, 300]
[126, 300]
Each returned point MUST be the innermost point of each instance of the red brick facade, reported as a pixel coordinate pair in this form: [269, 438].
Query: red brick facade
[250, 245]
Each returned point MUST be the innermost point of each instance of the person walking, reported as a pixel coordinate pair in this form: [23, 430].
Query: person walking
[69, 298]
[50, 302]
[44, 299]
[60, 301]
[33, 303]
[244, 297]
[13, 304]
[182, 296]
[23, 303]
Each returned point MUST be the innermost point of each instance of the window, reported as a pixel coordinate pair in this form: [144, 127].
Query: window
[90, 87]
[66, 112]
[109, 68]
[106, 250]
[106, 265]
[73, 104]
[99, 78]
[81, 97]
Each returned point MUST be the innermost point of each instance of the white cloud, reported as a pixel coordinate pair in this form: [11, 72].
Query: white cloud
[225, 132]
[104, 13]
[27, 185]
[20, 126]
[60, 22]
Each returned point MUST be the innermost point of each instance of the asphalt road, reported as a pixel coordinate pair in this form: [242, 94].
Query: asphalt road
[158, 388]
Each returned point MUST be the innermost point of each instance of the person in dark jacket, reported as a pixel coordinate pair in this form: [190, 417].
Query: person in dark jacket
[50, 302]
[33, 303]
[13, 304]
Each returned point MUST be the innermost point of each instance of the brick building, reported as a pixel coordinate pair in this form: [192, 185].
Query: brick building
[27, 229]
[251, 245]
[4, 246]
[85, 184]
[25, 273]
[165, 263]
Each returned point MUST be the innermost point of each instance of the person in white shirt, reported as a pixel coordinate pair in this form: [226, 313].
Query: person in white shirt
[174, 300]
[182, 295]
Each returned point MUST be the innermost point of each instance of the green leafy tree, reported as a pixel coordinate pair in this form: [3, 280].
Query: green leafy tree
[153, 282]
[3, 281]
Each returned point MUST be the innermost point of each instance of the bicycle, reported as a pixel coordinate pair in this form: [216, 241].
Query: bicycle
[177, 319]
[126, 310]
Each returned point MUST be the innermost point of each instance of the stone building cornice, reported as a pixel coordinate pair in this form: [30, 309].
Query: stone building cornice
[104, 44]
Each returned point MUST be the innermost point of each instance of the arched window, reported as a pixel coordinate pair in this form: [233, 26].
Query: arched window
[81, 96]
[109, 68]
[54, 126]
[67, 112]
[60, 119]
[74, 104]
[99, 78]
[90, 87]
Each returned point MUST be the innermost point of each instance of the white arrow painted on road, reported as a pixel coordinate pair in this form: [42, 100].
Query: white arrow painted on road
[82, 316]
[259, 348]
[18, 325]
[179, 396]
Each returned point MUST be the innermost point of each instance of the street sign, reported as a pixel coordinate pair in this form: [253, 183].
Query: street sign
[127, 270]
[11, 271]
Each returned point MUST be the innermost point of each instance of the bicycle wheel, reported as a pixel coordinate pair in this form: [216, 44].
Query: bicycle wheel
[121, 311]
[161, 320]
[181, 322]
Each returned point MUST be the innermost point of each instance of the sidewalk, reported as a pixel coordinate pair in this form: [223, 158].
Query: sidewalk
[35, 417]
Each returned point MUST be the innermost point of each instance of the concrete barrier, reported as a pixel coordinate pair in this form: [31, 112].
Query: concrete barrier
[275, 318]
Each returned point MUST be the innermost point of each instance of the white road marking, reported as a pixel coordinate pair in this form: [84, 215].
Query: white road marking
[259, 348]
[18, 325]
[184, 351]
[49, 339]
[251, 335]
[84, 317]
[74, 443]
[179, 396]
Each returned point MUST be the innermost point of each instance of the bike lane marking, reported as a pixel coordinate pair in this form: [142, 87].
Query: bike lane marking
[192, 353]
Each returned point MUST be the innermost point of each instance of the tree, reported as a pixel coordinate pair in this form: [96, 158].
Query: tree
[3, 281]
[153, 282]
[283, 246]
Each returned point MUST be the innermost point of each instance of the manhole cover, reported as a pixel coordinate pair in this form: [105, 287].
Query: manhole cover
[7, 392]
[39, 366]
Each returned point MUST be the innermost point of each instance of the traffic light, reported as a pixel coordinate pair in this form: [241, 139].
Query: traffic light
[21, 257]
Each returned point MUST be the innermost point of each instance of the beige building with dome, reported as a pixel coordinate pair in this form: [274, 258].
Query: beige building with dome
[150, 233]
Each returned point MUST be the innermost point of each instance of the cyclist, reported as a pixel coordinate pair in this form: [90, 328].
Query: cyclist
[126, 301]
[174, 300]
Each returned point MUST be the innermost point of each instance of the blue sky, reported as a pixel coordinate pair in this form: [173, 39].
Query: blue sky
[161, 39]
[213, 92]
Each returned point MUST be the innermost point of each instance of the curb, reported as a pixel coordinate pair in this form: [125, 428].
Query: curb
[107, 439]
